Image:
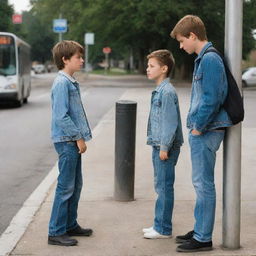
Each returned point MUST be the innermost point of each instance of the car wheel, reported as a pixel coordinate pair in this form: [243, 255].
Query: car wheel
[244, 84]
[19, 103]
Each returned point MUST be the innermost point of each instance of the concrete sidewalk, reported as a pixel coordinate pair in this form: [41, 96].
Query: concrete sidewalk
[117, 225]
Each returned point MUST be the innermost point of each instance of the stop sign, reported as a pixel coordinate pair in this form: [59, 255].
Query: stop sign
[16, 18]
[106, 50]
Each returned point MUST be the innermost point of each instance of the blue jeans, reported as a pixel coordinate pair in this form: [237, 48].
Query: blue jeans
[70, 182]
[164, 176]
[203, 156]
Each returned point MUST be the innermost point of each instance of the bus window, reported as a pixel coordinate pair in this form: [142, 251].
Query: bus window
[7, 56]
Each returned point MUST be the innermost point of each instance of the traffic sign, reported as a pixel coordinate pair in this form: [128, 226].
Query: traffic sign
[106, 50]
[16, 18]
[60, 25]
[89, 38]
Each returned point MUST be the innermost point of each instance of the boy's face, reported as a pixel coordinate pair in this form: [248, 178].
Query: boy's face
[187, 43]
[155, 71]
[75, 63]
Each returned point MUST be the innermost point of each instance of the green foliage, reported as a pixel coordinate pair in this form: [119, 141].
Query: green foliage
[6, 12]
[137, 26]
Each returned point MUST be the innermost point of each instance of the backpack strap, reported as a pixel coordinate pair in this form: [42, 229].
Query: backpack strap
[212, 49]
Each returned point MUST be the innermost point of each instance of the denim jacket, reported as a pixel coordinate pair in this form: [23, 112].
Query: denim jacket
[209, 90]
[164, 122]
[69, 122]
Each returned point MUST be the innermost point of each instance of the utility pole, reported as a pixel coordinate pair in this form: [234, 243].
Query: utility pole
[232, 141]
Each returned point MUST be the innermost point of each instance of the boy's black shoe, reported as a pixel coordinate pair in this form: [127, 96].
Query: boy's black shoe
[193, 245]
[184, 238]
[79, 231]
[62, 240]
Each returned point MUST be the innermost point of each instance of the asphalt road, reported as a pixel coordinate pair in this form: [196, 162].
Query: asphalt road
[26, 151]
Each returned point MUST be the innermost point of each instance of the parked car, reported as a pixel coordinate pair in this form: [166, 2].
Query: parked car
[249, 77]
[38, 68]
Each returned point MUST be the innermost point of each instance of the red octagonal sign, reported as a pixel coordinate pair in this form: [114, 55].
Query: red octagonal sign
[16, 18]
[106, 50]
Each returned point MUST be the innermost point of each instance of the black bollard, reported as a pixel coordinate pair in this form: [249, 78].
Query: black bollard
[125, 150]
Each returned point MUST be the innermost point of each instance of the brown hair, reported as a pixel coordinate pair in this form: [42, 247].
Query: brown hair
[190, 23]
[164, 57]
[65, 49]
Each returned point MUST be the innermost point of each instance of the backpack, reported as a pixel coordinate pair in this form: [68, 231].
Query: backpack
[233, 104]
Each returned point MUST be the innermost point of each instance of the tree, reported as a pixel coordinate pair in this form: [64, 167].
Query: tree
[6, 12]
[138, 26]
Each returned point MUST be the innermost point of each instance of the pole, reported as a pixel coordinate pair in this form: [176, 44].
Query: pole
[86, 57]
[106, 63]
[60, 37]
[131, 60]
[125, 150]
[60, 34]
[232, 141]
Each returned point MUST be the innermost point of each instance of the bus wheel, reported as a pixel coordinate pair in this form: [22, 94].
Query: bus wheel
[25, 100]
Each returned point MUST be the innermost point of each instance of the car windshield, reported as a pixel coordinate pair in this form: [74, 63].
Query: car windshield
[7, 56]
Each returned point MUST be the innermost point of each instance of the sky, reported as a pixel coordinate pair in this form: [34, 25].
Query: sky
[20, 5]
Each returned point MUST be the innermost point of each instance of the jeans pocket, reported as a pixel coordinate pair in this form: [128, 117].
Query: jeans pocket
[71, 143]
[214, 139]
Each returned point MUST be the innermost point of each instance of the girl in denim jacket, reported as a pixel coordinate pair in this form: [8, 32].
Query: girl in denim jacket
[164, 134]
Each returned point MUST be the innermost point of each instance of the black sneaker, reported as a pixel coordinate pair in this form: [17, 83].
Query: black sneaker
[184, 238]
[193, 245]
[79, 231]
[62, 240]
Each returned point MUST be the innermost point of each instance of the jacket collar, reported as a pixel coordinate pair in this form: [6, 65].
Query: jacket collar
[72, 79]
[162, 84]
[209, 44]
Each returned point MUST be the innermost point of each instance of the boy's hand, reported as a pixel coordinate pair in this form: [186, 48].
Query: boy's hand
[163, 155]
[196, 132]
[81, 145]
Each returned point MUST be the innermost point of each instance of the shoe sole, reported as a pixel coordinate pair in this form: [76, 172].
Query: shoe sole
[195, 250]
[60, 244]
[161, 237]
[79, 234]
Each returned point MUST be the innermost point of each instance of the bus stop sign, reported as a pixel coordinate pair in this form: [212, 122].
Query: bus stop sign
[60, 25]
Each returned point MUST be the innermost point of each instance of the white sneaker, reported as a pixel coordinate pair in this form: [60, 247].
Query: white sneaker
[155, 235]
[146, 230]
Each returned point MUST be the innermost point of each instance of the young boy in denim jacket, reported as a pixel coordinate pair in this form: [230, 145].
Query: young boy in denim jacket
[206, 121]
[70, 130]
[164, 134]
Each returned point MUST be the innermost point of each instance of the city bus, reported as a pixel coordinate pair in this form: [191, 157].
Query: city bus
[15, 68]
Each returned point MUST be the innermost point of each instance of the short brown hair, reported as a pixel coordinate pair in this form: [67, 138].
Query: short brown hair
[188, 24]
[65, 49]
[164, 57]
